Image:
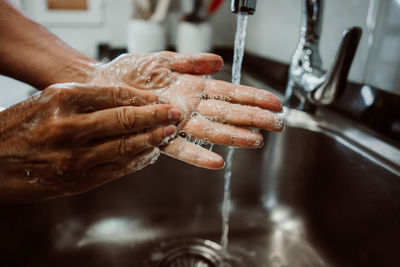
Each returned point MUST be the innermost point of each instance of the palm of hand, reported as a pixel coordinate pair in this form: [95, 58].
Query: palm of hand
[214, 111]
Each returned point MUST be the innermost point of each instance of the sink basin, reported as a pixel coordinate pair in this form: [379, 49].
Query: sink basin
[321, 193]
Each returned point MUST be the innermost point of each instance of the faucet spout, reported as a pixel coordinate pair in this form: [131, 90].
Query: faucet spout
[309, 85]
[334, 81]
[311, 15]
[243, 6]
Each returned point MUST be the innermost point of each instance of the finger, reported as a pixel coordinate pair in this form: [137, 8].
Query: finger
[108, 172]
[221, 134]
[115, 96]
[193, 154]
[95, 97]
[200, 63]
[241, 94]
[129, 146]
[124, 120]
[241, 115]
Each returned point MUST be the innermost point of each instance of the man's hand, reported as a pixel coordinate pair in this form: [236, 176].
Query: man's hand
[214, 111]
[72, 137]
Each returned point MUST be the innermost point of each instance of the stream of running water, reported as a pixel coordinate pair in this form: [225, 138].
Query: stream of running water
[236, 74]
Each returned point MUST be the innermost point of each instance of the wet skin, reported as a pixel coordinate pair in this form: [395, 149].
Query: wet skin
[215, 111]
[95, 122]
[72, 137]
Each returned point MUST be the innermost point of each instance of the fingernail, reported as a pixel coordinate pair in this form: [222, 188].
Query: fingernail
[174, 114]
[170, 130]
[259, 142]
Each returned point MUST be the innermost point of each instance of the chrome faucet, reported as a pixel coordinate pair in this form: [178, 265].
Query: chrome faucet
[243, 6]
[308, 84]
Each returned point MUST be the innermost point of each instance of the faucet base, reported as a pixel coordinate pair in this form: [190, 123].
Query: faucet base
[295, 98]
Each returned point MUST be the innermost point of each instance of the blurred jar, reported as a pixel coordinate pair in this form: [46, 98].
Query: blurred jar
[193, 37]
[144, 36]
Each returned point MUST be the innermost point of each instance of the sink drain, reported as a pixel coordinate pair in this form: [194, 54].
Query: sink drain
[198, 253]
[188, 253]
[189, 260]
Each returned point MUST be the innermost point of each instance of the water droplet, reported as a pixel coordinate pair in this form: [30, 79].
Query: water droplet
[167, 139]
[205, 141]
[154, 159]
[133, 100]
[139, 165]
[193, 114]
[257, 143]
[203, 95]
[214, 119]
[183, 134]
[191, 139]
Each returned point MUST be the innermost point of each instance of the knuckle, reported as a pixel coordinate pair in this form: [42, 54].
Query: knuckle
[59, 94]
[158, 114]
[120, 94]
[126, 96]
[64, 165]
[124, 56]
[122, 146]
[55, 130]
[162, 111]
[126, 118]
[165, 54]
[125, 146]
[148, 98]
[253, 116]
[67, 162]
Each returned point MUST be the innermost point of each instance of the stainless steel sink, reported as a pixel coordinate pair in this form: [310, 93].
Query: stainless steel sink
[322, 193]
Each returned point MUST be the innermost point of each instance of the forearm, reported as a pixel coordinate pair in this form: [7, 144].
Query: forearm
[30, 53]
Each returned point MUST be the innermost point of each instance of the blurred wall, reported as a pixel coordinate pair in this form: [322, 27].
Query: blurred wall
[85, 36]
[272, 33]
[115, 17]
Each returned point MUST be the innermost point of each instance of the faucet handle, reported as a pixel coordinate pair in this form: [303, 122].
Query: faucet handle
[334, 81]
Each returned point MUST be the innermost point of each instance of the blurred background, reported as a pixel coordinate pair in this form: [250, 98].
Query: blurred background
[102, 29]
